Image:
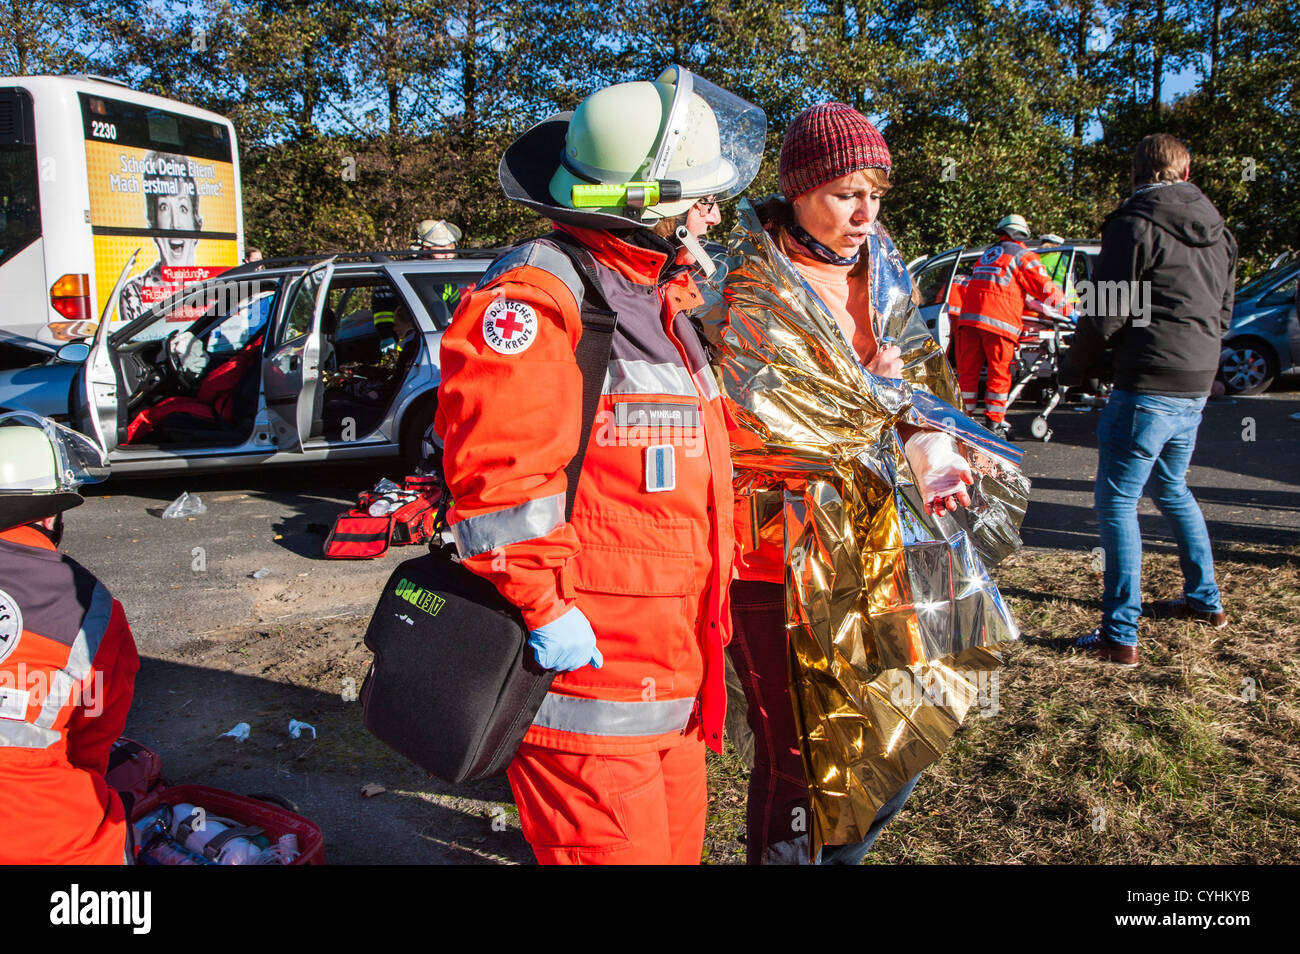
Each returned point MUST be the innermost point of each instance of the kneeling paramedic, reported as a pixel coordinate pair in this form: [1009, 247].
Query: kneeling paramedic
[627, 598]
[67, 660]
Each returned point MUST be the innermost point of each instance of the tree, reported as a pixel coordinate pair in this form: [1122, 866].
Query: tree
[60, 36]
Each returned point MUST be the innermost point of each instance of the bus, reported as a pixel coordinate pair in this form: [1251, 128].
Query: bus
[92, 173]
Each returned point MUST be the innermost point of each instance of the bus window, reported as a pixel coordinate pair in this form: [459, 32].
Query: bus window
[20, 197]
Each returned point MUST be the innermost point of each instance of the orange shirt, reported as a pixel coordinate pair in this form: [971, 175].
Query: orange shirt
[847, 296]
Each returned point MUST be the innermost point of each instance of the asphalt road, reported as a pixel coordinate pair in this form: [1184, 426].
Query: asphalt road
[1245, 472]
[182, 577]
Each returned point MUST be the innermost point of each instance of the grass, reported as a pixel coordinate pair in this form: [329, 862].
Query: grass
[1194, 757]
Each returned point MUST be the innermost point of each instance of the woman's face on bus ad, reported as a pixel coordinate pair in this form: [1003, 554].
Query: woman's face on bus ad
[176, 212]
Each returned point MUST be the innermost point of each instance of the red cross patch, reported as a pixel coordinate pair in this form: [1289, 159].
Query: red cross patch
[509, 327]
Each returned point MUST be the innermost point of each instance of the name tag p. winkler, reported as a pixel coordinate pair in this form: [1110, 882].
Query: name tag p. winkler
[644, 414]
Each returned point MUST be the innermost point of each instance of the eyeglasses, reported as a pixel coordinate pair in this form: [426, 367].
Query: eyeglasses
[706, 205]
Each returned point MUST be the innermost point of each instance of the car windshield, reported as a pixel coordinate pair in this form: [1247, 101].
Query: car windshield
[200, 304]
[1260, 282]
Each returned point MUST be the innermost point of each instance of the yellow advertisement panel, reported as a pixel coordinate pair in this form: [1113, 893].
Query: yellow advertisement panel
[151, 281]
[180, 212]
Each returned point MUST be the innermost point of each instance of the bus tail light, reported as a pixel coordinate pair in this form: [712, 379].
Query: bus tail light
[70, 297]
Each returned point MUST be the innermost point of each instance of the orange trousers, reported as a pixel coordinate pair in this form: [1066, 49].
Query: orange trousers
[975, 346]
[646, 809]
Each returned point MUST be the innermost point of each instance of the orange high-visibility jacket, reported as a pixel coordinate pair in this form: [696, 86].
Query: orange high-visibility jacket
[646, 557]
[67, 673]
[994, 296]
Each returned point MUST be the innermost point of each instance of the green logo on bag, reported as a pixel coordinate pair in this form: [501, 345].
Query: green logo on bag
[419, 597]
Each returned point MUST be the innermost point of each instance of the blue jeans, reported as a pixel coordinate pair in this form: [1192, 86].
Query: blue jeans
[1148, 438]
[853, 854]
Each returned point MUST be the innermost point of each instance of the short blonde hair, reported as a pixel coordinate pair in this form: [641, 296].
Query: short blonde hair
[1160, 158]
[878, 178]
[666, 228]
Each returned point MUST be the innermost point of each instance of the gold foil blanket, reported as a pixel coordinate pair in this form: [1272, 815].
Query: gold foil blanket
[891, 614]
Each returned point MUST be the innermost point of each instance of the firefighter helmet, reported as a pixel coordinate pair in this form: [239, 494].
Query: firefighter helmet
[1013, 225]
[634, 153]
[42, 464]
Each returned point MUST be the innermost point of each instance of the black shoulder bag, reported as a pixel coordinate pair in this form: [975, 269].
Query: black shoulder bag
[454, 684]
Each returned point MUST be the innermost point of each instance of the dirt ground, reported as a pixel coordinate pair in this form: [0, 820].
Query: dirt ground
[1192, 758]
[188, 697]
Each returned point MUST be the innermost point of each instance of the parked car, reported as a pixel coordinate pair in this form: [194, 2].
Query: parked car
[1263, 340]
[939, 278]
[277, 361]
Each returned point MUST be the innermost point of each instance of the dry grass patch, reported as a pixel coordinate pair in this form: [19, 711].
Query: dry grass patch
[1194, 757]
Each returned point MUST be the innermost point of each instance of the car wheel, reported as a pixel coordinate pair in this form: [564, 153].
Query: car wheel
[1247, 366]
[415, 424]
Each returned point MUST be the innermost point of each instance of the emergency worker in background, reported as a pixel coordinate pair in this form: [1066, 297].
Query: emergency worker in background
[67, 660]
[438, 238]
[627, 600]
[1006, 277]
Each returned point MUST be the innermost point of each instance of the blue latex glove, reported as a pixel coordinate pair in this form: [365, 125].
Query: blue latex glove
[566, 644]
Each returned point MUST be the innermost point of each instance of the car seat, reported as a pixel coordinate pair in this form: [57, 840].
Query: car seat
[220, 406]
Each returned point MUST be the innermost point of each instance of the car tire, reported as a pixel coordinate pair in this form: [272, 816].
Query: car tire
[415, 423]
[1247, 366]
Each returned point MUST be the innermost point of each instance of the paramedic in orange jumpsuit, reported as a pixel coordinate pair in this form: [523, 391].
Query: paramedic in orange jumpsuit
[67, 660]
[629, 599]
[992, 305]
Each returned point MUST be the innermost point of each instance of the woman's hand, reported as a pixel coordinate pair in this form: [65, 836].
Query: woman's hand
[887, 362]
[941, 473]
[947, 504]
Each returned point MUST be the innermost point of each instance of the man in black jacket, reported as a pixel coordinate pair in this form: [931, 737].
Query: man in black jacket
[1162, 297]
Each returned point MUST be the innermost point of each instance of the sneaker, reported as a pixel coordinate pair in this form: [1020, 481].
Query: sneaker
[1180, 609]
[1101, 647]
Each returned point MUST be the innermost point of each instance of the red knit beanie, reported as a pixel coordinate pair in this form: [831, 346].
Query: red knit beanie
[826, 142]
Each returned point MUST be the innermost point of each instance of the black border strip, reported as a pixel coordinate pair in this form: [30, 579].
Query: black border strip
[162, 233]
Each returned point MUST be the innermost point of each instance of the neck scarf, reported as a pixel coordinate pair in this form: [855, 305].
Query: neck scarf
[819, 250]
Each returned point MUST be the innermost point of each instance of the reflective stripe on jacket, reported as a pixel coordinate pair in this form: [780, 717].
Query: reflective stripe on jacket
[645, 557]
[994, 296]
[67, 673]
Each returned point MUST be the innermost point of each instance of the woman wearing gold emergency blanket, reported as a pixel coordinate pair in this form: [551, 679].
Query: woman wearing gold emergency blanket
[868, 506]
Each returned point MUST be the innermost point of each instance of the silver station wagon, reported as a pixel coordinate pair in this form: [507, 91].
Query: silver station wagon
[278, 361]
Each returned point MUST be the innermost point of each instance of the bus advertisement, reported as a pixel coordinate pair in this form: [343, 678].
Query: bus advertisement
[92, 172]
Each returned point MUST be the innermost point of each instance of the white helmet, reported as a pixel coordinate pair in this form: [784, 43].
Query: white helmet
[1012, 225]
[634, 153]
[437, 233]
[42, 464]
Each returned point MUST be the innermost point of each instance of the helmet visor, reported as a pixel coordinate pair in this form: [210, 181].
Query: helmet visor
[742, 134]
[78, 459]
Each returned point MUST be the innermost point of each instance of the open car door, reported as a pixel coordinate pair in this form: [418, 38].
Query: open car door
[97, 384]
[291, 371]
[935, 284]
